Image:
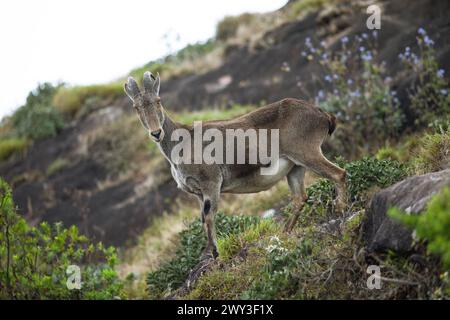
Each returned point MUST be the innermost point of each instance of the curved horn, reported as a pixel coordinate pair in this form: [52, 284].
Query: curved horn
[148, 81]
[156, 84]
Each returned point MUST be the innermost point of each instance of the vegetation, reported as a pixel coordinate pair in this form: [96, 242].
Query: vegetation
[34, 260]
[432, 228]
[11, 146]
[57, 165]
[430, 97]
[172, 274]
[70, 100]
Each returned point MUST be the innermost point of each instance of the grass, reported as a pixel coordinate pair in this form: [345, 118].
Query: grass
[57, 165]
[11, 146]
[69, 100]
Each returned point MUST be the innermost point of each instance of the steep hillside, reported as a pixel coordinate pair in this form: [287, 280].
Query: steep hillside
[80, 156]
[101, 174]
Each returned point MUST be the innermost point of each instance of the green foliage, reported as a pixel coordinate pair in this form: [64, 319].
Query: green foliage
[358, 92]
[305, 6]
[172, 274]
[432, 226]
[168, 65]
[430, 96]
[10, 146]
[33, 260]
[57, 165]
[230, 244]
[38, 119]
[70, 100]
[279, 277]
[370, 172]
[433, 153]
[362, 175]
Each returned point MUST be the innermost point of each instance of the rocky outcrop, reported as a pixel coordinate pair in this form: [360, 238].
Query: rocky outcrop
[380, 232]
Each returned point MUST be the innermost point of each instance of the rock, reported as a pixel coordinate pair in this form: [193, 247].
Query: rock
[381, 233]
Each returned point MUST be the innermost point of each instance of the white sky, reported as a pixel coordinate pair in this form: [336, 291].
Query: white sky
[87, 41]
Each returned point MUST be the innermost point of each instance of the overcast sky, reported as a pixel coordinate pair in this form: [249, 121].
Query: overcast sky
[87, 41]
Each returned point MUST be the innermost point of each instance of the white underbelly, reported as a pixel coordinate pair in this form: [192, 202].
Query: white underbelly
[263, 179]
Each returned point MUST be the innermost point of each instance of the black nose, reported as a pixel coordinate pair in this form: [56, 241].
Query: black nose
[156, 134]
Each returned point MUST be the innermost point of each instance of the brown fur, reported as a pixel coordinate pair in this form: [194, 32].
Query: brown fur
[302, 129]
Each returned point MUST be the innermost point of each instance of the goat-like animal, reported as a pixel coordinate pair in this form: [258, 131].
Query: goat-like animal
[302, 130]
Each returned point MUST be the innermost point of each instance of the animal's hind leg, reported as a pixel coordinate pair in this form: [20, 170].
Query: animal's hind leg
[317, 162]
[296, 183]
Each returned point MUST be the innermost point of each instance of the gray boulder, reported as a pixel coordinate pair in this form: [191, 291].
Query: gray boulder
[381, 233]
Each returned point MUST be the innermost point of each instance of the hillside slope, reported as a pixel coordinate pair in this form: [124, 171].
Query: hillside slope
[102, 174]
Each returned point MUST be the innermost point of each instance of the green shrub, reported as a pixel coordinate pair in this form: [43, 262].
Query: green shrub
[34, 260]
[433, 153]
[70, 100]
[357, 91]
[172, 274]
[38, 119]
[432, 226]
[280, 275]
[430, 96]
[362, 175]
[11, 146]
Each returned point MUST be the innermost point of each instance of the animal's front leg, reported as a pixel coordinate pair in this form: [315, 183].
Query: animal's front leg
[208, 214]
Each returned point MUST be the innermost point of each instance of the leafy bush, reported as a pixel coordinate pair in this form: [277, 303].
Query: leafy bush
[432, 226]
[11, 146]
[433, 153]
[358, 91]
[172, 274]
[70, 100]
[362, 175]
[279, 278]
[38, 119]
[34, 260]
[430, 97]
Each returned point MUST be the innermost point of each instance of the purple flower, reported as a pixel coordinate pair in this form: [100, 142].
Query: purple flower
[344, 40]
[362, 49]
[304, 54]
[349, 82]
[444, 92]
[364, 35]
[320, 94]
[375, 33]
[428, 41]
[328, 78]
[308, 42]
[440, 73]
[367, 56]
[422, 31]
[355, 93]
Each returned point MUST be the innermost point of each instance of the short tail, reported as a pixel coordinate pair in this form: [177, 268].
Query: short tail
[331, 123]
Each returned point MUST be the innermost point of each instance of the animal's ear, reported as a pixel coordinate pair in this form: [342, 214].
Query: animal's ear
[156, 85]
[132, 89]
